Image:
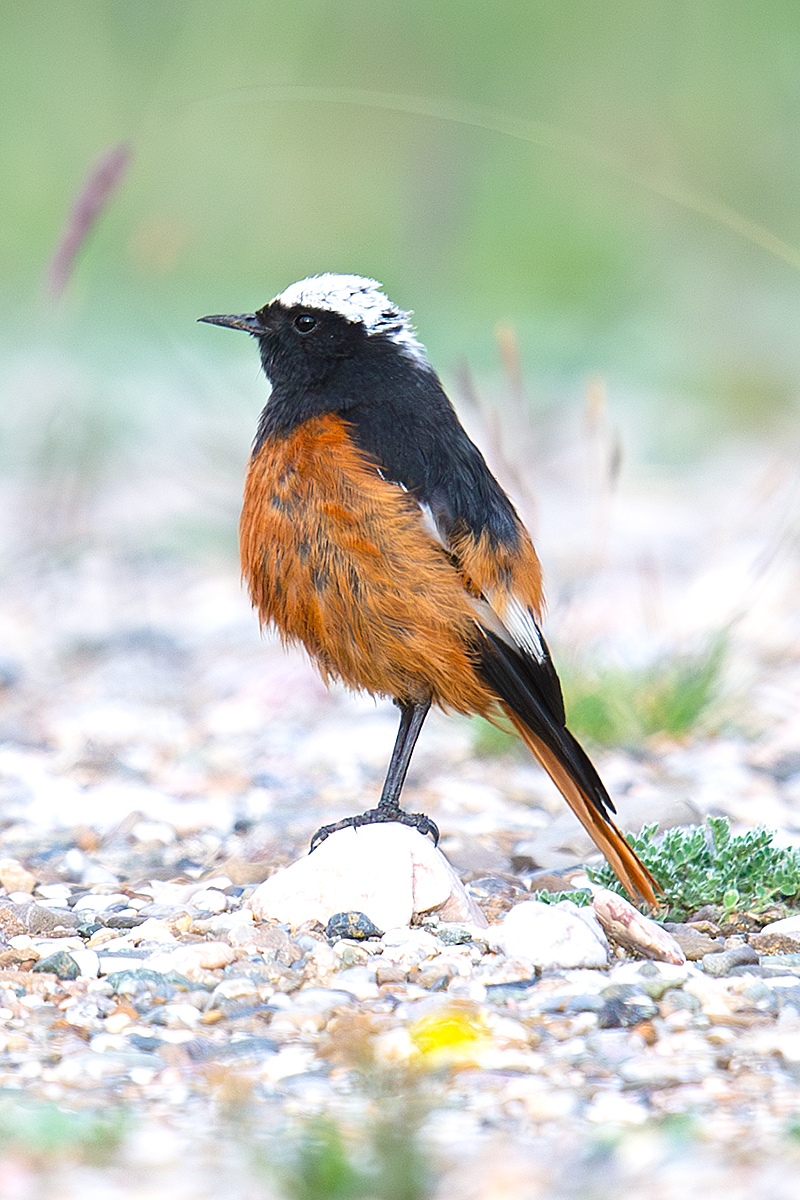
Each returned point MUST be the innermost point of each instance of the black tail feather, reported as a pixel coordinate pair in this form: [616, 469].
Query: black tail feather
[526, 686]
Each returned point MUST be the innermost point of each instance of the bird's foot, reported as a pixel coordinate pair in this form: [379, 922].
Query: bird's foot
[377, 816]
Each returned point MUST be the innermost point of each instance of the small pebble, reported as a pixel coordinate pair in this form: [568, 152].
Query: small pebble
[129, 918]
[210, 900]
[787, 926]
[694, 944]
[110, 964]
[623, 1007]
[88, 963]
[454, 933]
[551, 936]
[95, 874]
[495, 895]
[781, 964]
[356, 925]
[92, 902]
[232, 989]
[45, 920]
[61, 964]
[193, 959]
[722, 963]
[60, 892]
[10, 923]
[775, 942]
[152, 930]
[154, 831]
[16, 878]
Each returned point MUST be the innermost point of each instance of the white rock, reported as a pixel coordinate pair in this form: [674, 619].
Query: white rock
[116, 1022]
[225, 923]
[612, 1108]
[176, 1037]
[321, 1000]
[359, 981]
[551, 935]
[21, 941]
[464, 988]
[390, 872]
[142, 1076]
[95, 874]
[93, 903]
[290, 1060]
[154, 831]
[152, 930]
[47, 946]
[187, 1014]
[101, 1043]
[631, 972]
[788, 926]
[192, 960]
[111, 963]
[31, 1001]
[650, 1072]
[172, 895]
[88, 963]
[115, 945]
[54, 892]
[627, 926]
[776, 1041]
[14, 877]
[210, 900]
[231, 989]
[409, 946]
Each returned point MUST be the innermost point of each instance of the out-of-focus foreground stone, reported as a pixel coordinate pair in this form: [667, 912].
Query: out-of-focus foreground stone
[552, 935]
[635, 932]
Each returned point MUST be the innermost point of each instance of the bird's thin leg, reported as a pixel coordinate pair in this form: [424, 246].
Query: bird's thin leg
[412, 717]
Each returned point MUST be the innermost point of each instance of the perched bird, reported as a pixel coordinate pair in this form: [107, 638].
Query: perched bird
[374, 533]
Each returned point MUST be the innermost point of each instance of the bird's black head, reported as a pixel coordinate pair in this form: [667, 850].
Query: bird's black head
[331, 342]
[335, 344]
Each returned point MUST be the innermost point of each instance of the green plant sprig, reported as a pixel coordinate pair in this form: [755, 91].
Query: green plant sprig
[706, 864]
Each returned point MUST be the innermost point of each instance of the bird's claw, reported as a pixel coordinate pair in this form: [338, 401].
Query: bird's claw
[379, 816]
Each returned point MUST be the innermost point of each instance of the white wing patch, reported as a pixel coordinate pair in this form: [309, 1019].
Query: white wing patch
[358, 300]
[431, 528]
[520, 623]
[505, 615]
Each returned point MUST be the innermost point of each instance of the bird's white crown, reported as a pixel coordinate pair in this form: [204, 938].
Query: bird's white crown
[358, 300]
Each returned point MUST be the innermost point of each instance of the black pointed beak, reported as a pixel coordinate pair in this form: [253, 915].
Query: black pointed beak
[249, 322]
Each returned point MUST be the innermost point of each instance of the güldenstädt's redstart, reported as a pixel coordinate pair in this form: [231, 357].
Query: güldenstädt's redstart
[374, 534]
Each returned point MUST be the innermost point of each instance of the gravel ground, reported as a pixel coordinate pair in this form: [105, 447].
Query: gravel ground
[158, 760]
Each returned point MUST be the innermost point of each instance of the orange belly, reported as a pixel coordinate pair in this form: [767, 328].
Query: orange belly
[339, 559]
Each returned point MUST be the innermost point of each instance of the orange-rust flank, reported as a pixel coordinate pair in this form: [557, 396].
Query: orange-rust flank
[339, 559]
[496, 571]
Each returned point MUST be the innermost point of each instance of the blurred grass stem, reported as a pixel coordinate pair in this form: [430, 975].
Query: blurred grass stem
[103, 180]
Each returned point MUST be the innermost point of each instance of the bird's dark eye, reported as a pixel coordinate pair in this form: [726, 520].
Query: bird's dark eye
[304, 323]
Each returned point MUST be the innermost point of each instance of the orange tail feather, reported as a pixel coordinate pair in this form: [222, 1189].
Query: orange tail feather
[629, 869]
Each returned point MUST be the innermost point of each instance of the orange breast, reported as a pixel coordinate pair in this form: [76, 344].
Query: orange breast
[339, 559]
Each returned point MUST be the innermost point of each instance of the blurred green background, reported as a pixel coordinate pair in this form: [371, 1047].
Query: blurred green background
[523, 163]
